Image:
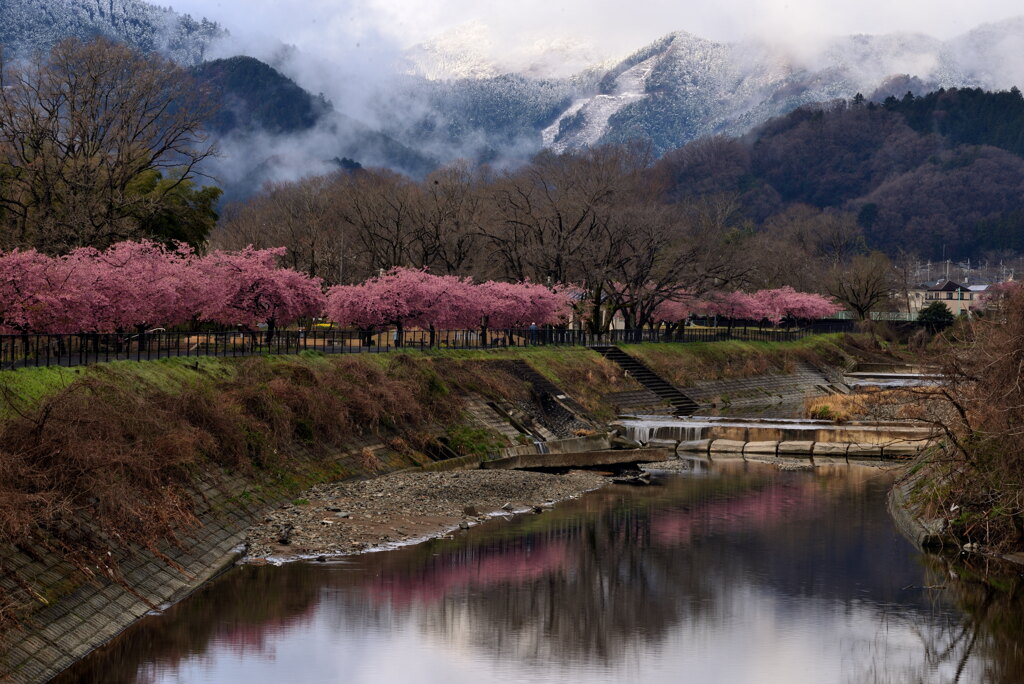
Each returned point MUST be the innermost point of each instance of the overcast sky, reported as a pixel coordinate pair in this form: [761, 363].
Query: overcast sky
[613, 26]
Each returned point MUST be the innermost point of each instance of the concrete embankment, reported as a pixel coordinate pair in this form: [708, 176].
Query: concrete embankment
[779, 437]
[182, 456]
[212, 446]
[926, 533]
[68, 614]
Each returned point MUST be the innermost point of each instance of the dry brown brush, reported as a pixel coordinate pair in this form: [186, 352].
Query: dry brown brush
[976, 480]
[106, 465]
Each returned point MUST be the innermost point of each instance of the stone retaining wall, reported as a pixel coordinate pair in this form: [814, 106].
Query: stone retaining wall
[70, 616]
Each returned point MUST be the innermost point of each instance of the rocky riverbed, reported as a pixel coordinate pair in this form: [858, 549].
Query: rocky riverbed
[351, 517]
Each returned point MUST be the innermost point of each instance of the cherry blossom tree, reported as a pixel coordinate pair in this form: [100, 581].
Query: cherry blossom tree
[674, 312]
[771, 305]
[39, 293]
[138, 284]
[404, 297]
[247, 288]
[785, 302]
[733, 306]
[505, 306]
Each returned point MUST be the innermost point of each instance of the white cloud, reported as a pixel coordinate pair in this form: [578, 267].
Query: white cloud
[618, 25]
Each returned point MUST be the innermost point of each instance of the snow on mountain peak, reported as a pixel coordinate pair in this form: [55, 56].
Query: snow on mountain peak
[475, 50]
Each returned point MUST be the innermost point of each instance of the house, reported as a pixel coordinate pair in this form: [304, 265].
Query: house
[957, 298]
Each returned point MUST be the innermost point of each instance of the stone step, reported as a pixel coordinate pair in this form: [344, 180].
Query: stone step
[639, 371]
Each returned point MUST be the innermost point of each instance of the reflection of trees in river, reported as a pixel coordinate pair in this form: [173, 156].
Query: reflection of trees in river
[986, 646]
[243, 608]
[604, 577]
[646, 563]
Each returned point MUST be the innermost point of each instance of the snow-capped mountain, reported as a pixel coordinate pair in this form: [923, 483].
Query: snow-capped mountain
[474, 93]
[472, 50]
[27, 25]
[684, 87]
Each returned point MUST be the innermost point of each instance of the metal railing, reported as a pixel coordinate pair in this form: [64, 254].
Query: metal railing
[18, 351]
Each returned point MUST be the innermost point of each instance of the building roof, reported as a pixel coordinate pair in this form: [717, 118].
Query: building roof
[947, 286]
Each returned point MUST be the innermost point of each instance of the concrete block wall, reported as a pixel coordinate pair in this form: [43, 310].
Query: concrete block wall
[81, 615]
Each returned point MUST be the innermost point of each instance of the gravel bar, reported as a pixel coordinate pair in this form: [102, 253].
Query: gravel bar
[401, 508]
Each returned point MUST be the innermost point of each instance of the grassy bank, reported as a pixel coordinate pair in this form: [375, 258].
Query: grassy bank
[688, 364]
[584, 374]
[100, 459]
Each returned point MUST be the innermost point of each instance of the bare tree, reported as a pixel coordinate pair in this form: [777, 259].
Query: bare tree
[306, 217]
[448, 214]
[693, 247]
[863, 284]
[80, 129]
[381, 207]
[552, 216]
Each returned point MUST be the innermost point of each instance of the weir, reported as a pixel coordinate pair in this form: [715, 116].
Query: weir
[645, 429]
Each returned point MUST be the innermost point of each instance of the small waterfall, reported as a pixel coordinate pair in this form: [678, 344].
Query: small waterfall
[644, 431]
[542, 447]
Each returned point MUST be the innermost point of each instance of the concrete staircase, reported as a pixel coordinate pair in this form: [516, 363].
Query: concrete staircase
[760, 390]
[681, 404]
[545, 388]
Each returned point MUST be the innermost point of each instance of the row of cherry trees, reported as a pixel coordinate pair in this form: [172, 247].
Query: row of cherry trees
[135, 285]
[775, 306]
[412, 298]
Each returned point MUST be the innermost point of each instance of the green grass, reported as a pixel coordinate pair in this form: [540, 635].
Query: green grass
[474, 441]
[27, 386]
[685, 364]
[579, 371]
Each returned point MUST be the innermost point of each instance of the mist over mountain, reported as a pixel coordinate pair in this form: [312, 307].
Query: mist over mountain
[677, 89]
[292, 112]
[268, 128]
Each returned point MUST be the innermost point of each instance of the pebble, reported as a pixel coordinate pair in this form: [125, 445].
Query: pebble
[405, 506]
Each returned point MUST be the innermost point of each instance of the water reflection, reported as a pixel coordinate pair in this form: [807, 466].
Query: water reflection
[744, 574]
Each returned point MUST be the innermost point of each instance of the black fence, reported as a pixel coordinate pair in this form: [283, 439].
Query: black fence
[17, 351]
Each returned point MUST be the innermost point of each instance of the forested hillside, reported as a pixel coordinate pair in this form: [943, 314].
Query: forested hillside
[253, 95]
[937, 175]
[28, 25]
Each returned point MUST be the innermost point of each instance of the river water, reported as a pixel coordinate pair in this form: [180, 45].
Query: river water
[734, 573]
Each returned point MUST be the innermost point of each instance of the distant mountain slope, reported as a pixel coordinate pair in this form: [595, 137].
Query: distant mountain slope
[683, 87]
[939, 175]
[268, 128]
[254, 95]
[680, 88]
[27, 25]
[495, 119]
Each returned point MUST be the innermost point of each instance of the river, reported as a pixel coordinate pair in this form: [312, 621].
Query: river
[731, 573]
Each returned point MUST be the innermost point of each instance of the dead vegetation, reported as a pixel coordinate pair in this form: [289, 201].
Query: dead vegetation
[872, 403]
[108, 462]
[974, 480]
